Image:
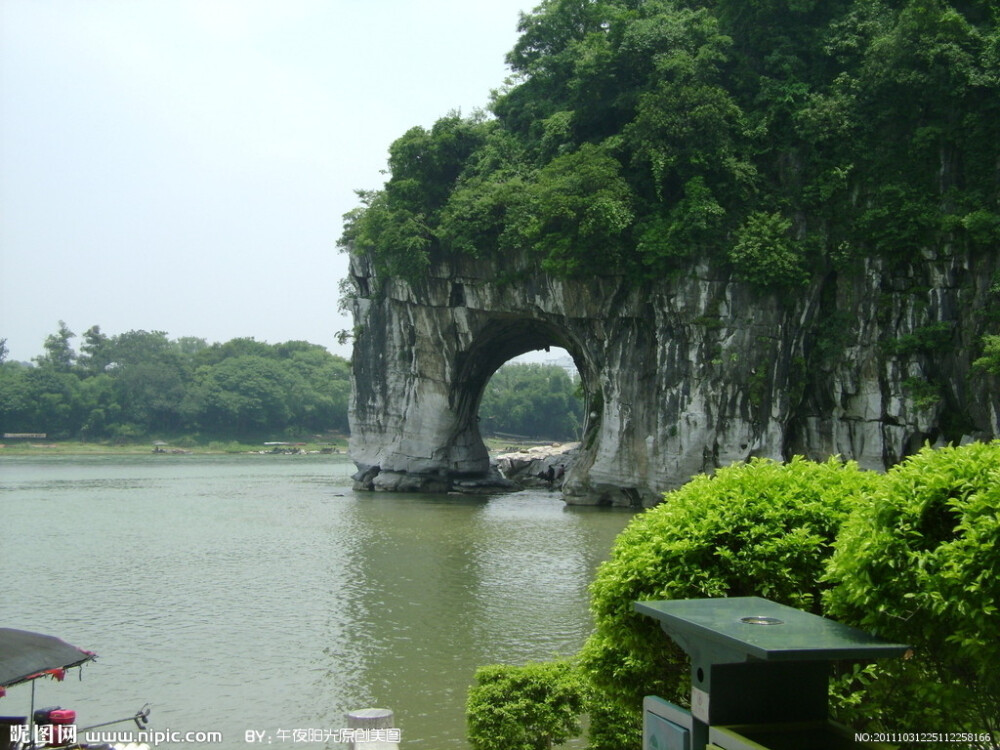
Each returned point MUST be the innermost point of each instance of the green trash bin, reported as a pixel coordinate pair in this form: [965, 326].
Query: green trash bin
[760, 671]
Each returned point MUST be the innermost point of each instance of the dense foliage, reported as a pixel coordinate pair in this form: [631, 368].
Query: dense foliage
[532, 400]
[756, 529]
[142, 383]
[778, 137]
[920, 563]
[529, 707]
[912, 555]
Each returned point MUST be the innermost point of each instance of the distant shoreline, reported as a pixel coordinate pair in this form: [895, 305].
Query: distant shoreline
[334, 445]
[180, 446]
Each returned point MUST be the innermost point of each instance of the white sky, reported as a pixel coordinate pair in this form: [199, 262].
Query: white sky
[183, 165]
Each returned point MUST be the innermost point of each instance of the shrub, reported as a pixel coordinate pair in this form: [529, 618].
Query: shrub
[766, 255]
[990, 361]
[529, 707]
[755, 529]
[920, 563]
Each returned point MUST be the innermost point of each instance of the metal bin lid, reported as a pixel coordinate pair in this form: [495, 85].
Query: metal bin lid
[746, 628]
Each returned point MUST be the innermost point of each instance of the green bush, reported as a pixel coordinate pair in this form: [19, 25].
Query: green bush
[765, 253]
[920, 563]
[990, 361]
[755, 529]
[529, 707]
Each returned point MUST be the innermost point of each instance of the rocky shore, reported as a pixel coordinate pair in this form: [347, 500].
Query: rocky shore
[543, 466]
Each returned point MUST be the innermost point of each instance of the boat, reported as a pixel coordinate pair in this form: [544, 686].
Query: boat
[25, 657]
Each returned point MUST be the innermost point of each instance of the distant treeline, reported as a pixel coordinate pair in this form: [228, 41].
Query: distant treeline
[532, 400]
[141, 383]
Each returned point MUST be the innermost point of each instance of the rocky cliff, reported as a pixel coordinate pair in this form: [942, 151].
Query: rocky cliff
[681, 376]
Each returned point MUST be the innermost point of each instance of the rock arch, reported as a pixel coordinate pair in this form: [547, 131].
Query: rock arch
[498, 340]
[682, 375]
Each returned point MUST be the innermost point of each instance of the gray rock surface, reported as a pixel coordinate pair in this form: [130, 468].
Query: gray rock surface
[543, 466]
[682, 376]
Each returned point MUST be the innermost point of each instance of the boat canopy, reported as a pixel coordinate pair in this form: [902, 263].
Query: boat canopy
[25, 655]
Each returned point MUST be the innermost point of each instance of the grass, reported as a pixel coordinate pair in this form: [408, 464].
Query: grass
[185, 443]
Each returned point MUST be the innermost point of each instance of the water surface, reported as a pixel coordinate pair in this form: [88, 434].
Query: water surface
[248, 592]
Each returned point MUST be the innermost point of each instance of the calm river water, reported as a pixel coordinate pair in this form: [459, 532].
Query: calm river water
[239, 593]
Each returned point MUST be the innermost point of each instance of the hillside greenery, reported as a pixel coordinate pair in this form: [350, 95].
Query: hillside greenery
[779, 138]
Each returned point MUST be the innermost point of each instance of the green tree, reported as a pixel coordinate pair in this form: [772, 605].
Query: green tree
[990, 361]
[150, 377]
[17, 402]
[397, 225]
[101, 406]
[95, 352]
[756, 529]
[322, 386]
[55, 407]
[533, 400]
[919, 563]
[577, 215]
[766, 255]
[59, 354]
[189, 346]
[246, 394]
[474, 220]
[238, 347]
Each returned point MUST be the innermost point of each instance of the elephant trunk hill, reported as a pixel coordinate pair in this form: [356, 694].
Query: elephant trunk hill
[681, 375]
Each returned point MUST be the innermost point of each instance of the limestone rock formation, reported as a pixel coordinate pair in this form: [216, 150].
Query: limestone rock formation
[542, 466]
[681, 376]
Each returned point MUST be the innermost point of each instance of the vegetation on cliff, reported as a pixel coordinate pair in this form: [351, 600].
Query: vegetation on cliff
[777, 137]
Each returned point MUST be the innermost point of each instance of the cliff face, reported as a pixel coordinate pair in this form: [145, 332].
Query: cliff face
[682, 376]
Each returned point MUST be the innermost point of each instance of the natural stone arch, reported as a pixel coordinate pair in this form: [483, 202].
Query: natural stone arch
[685, 374]
[499, 341]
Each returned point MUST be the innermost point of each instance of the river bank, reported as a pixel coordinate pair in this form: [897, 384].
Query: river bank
[333, 443]
[179, 445]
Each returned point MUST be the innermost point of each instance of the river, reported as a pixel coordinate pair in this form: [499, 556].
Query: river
[261, 593]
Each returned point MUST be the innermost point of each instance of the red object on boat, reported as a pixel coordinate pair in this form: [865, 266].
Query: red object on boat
[61, 734]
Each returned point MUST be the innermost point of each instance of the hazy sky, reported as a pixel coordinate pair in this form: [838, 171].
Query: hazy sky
[183, 165]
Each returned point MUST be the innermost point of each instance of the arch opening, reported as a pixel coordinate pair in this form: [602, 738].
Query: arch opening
[533, 398]
[498, 344]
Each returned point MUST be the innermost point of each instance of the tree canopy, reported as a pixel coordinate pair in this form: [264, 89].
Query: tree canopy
[532, 400]
[774, 136]
[141, 382]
